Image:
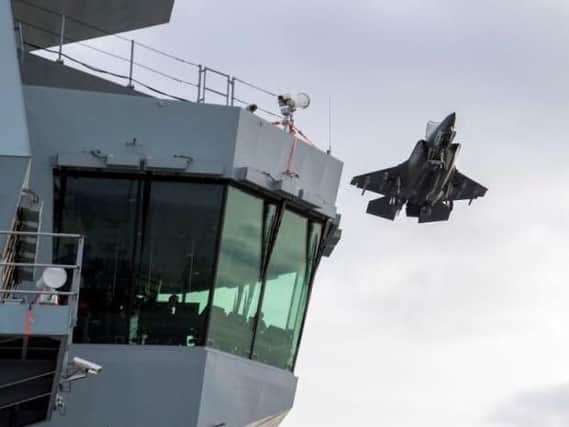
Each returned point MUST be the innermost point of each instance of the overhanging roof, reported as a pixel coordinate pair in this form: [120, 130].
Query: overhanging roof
[86, 18]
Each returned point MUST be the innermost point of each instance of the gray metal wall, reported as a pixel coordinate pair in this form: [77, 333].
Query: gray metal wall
[173, 387]
[12, 120]
[15, 146]
[264, 147]
[38, 71]
[102, 16]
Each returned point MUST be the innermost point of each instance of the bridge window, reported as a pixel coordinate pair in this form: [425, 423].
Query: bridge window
[150, 276]
[286, 291]
[176, 265]
[149, 256]
[238, 283]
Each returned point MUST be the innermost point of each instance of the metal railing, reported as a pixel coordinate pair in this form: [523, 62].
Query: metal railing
[139, 66]
[73, 263]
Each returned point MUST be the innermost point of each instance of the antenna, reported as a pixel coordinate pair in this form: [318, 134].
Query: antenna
[329, 150]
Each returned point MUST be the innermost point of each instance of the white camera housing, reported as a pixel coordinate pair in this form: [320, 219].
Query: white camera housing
[290, 103]
[89, 367]
[52, 278]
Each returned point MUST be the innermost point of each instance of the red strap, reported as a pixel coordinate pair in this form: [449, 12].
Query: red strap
[304, 137]
[297, 135]
[29, 321]
[290, 160]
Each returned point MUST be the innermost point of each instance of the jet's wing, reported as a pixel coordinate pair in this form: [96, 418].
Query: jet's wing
[464, 188]
[385, 181]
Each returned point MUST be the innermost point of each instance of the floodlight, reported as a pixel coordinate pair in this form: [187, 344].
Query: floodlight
[52, 278]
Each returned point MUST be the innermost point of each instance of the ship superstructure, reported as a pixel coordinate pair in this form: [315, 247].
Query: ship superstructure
[189, 232]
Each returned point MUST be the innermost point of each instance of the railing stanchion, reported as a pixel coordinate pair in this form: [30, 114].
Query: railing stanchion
[200, 70]
[76, 283]
[61, 39]
[233, 80]
[204, 84]
[130, 85]
[228, 91]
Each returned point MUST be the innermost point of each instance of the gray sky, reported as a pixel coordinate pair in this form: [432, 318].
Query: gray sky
[455, 324]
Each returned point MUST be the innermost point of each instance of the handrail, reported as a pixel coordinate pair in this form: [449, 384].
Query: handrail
[37, 264]
[75, 267]
[232, 90]
[38, 292]
[43, 233]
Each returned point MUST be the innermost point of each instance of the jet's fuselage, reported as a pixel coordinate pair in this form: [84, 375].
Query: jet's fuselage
[430, 169]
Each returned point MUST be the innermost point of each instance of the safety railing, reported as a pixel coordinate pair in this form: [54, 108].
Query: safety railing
[71, 262]
[134, 64]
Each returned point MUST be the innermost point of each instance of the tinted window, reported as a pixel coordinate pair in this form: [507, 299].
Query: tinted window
[286, 293]
[104, 211]
[149, 266]
[149, 257]
[176, 270]
[238, 284]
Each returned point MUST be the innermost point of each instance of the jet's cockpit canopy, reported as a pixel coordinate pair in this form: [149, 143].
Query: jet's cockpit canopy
[431, 128]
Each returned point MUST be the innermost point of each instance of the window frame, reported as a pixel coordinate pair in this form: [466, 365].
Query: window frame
[282, 204]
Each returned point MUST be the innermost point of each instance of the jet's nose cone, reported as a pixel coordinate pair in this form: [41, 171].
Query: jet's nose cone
[451, 119]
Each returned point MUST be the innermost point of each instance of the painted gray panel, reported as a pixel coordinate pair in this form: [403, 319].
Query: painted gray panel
[70, 122]
[38, 71]
[167, 163]
[149, 386]
[12, 118]
[263, 146]
[15, 146]
[111, 16]
[139, 386]
[238, 392]
[13, 171]
[47, 320]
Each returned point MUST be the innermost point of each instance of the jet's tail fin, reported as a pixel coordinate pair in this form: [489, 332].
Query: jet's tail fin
[383, 208]
[438, 212]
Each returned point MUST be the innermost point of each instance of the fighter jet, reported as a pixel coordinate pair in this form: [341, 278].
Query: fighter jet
[428, 183]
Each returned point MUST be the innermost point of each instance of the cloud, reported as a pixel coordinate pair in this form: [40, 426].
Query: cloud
[547, 407]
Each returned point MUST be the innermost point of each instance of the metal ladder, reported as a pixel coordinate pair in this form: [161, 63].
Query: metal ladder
[34, 336]
[22, 249]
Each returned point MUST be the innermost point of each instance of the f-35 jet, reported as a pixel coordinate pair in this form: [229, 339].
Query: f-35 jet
[428, 183]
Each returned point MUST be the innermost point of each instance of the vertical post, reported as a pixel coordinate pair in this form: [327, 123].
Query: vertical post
[204, 84]
[76, 283]
[21, 51]
[273, 235]
[328, 228]
[130, 85]
[61, 39]
[228, 91]
[200, 68]
[232, 91]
